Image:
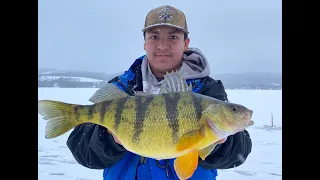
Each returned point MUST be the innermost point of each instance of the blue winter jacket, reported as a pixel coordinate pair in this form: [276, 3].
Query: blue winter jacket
[129, 166]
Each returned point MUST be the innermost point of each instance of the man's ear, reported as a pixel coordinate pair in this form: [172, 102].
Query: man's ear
[186, 44]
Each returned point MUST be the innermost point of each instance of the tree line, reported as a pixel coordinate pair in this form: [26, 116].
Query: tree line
[63, 82]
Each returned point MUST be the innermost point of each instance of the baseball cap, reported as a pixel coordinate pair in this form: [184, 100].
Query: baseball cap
[166, 16]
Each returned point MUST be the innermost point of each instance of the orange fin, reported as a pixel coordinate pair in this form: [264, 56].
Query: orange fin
[186, 165]
[191, 139]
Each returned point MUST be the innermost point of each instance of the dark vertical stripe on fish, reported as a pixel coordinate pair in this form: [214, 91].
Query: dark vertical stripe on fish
[90, 112]
[103, 110]
[76, 113]
[120, 105]
[141, 109]
[197, 100]
[172, 113]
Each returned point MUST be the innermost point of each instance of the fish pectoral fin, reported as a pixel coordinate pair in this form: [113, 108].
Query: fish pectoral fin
[107, 93]
[206, 151]
[191, 139]
[186, 165]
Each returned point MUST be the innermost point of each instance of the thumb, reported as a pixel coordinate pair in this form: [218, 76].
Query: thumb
[114, 137]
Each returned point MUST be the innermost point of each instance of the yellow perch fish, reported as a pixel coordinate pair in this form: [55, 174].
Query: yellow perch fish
[177, 123]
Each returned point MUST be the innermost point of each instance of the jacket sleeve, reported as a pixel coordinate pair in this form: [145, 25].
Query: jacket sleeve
[235, 150]
[93, 146]
[232, 153]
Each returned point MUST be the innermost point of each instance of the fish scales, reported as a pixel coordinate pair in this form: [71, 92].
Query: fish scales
[102, 113]
[141, 121]
[142, 104]
[156, 123]
[104, 107]
[189, 111]
[125, 118]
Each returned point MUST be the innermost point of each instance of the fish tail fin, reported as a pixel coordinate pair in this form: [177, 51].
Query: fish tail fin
[59, 115]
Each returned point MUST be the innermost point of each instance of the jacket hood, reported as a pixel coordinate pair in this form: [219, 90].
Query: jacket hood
[193, 65]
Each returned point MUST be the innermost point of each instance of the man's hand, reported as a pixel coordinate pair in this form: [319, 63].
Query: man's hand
[114, 137]
[224, 139]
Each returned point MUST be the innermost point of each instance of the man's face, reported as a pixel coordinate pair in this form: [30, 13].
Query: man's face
[165, 47]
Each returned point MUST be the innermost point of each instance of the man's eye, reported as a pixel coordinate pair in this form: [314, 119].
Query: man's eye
[173, 37]
[154, 37]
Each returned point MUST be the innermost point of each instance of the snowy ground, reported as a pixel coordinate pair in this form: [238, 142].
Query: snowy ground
[264, 163]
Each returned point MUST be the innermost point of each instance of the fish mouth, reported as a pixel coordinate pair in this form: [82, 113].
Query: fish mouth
[250, 123]
[247, 118]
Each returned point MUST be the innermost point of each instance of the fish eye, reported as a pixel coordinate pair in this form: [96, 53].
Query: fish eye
[234, 109]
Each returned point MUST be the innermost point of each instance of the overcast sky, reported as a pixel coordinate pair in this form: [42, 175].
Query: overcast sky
[105, 36]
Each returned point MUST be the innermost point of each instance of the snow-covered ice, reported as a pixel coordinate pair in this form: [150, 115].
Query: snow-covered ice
[264, 163]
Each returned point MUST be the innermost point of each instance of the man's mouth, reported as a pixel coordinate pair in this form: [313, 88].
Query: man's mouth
[163, 55]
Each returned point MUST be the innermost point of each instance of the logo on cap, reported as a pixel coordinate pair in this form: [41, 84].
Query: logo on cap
[166, 13]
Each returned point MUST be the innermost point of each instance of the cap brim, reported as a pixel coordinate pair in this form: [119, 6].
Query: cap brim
[164, 24]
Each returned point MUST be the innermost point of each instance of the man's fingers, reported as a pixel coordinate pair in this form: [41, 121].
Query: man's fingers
[114, 137]
[221, 141]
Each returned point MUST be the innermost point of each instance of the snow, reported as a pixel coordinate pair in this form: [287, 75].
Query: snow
[265, 161]
[79, 79]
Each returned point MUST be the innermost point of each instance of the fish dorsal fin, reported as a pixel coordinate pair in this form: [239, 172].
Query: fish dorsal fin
[106, 93]
[141, 93]
[174, 82]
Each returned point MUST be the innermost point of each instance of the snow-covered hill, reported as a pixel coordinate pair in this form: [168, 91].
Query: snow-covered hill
[77, 79]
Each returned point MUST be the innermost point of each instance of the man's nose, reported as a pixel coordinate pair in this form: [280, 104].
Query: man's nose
[163, 44]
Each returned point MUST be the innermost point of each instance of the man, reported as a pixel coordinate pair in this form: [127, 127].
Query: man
[166, 46]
